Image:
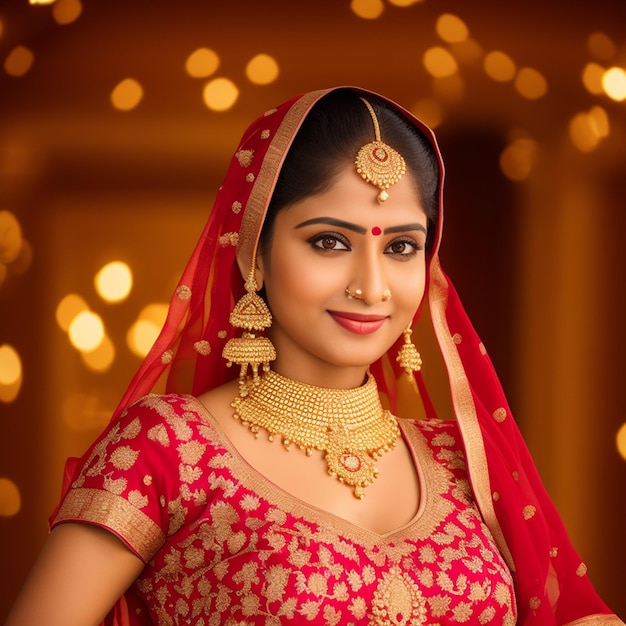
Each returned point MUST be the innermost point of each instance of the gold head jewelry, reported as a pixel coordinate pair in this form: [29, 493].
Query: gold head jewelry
[378, 163]
[250, 313]
[349, 426]
[408, 356]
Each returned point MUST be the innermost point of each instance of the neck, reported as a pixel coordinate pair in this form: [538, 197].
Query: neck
[322, 374]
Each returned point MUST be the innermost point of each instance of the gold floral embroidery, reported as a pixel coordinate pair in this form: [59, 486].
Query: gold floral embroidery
[183, 292]
[236, 207]
[529, 511]
[244, 157]
[398, 601]
[202, 347]
[499, 414]
[581, 570]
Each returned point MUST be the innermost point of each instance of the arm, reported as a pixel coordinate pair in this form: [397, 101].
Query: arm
[79, 575]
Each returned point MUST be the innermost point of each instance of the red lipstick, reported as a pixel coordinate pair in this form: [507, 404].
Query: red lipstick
[358, 323]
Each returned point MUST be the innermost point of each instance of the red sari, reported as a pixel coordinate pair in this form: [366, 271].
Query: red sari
[551, 584]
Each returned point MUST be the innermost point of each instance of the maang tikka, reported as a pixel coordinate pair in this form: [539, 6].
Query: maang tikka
[249, 350]
[377, 162]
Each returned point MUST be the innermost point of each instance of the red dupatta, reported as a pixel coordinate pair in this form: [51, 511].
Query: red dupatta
[551, 584]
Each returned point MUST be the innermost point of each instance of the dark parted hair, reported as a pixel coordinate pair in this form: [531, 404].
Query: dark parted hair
[330, 137]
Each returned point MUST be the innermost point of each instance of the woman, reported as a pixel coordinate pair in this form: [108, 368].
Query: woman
[321, 250]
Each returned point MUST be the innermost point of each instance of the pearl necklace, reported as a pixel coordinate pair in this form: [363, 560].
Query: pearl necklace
[349, 425]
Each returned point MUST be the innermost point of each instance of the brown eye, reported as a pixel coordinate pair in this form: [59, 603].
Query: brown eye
[398, 247]
[328, 243]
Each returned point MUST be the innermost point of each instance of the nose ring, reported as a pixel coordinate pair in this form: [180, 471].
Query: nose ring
[386, 295]
[357, 294]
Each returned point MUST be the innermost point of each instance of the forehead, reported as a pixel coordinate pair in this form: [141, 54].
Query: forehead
[350, 197]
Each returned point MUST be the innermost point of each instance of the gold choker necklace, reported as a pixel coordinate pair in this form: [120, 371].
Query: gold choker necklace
[349, 425]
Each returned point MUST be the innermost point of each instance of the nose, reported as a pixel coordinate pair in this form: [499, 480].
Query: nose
[369, 277]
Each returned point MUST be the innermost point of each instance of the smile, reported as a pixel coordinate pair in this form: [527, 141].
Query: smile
[357, 322]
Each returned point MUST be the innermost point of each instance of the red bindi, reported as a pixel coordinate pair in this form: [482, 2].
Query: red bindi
[376, 231]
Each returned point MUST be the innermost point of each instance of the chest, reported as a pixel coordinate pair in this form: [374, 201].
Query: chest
[258, 555]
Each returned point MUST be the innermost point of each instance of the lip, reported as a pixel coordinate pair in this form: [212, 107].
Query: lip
[358, 323]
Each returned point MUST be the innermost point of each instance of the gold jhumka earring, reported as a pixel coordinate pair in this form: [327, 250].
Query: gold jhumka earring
[251, 314]
[377, 162]
[408, 356]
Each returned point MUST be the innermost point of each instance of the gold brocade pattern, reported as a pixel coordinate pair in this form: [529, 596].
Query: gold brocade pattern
[231, 548]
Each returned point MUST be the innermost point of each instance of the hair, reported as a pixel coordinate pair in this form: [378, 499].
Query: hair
[330, 137]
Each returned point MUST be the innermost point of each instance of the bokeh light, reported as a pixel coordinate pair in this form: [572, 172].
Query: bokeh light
[592, 78]
[614, 83]
[10, 498]
[530, 83]
[451, 28]
[202, 63]
[86, 331]
[367, 9]
[10, 237]
[68, 309]
[143, 333]
[10, 373]
[66, 11]
[262, 69]
[499, 66]
[19, 61]
[127, 94]
[621, 441]
[517, 159]
[83, 412]
[601, 46]
[100, 359]
[220, 94]
[428, 111]
[439, 62]
[114, 281]
[587, 129]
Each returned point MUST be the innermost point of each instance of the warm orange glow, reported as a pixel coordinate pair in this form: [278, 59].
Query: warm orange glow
[114, 281]
[517, 159]
[601, 46]
[66, 11]
[155, 313]
[86, 331]
[621, 441]
[10, 499]
[4, 271]
[141, 335]
[202, 63]
[100, 359]
[614, 83]
[450, 88]
[10, 365]
[592, 78]
[262, 69]
[403, 3]
[499, 66]
[127, 94]
[428, 111]
[599, 122]
[10, 237]
[367, 9]
[19, 61]
[439, 62]
[582, 133]
[68, 309]
[220, 94]
[41, 1]
[451, 28]
[10, 373]
[530, 83]
[468, 51]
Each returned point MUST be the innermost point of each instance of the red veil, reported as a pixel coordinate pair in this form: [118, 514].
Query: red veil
[551, 584]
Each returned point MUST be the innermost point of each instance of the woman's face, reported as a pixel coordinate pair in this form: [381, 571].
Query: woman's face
[343, 238]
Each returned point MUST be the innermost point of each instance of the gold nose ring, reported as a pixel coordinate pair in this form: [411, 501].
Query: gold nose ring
[357, 294]
[386, 295]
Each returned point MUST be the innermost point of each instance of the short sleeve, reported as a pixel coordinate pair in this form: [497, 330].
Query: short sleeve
[137, 479]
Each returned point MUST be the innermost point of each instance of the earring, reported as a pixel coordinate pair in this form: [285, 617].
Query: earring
[250, 313]
[408, 356]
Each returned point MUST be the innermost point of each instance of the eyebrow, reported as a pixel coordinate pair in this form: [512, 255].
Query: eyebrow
[331, 221]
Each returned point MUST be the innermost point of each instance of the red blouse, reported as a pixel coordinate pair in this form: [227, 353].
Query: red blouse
[225, 546]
